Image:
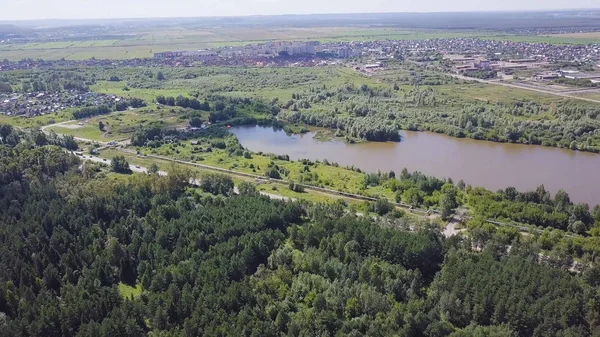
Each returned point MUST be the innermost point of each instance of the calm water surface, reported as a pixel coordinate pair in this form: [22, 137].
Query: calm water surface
[479, 163]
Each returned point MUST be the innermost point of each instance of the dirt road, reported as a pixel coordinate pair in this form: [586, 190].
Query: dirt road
[567, 94]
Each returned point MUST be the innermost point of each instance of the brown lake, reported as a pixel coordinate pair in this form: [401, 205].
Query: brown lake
[479, 163]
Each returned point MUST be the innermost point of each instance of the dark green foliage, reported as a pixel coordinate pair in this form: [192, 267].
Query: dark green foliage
[248, 265]
[219, 144]
[18, 162]
[217, 184]
[153, 169]
[63, 255]
[532, 299]
[448, 200]
[296, 187]
[120, 165]
[247, 189]
[5, 87]
[53, 81]
[273, 172]
[8, 135]
[484, 75]
[91, 111]
[381, 206]
[596, 213]
[183, 102]
[68, 142]
[196, 122]
[123, 105]
[155, 137]
[535, 208]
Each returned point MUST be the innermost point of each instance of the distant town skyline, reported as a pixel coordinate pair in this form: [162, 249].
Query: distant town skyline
[107, 9]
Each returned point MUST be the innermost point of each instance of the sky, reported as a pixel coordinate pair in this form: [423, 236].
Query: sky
[98, 9]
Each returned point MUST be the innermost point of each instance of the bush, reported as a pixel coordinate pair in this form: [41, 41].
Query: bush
[296, 187]
[120, 165]
[382, 207]
[273, 173]
[217, 184]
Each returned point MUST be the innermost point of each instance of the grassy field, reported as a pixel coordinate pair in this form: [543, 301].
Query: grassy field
[496, 93]
[592, 95]
[337, 178]
[121, 125]
[266, 83]
[117, 88]
[87, 131]
[35, 122]
[552, 39]
[587, 37]
[129, 292]
[267, 187]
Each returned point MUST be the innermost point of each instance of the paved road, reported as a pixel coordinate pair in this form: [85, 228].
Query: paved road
[567, 94]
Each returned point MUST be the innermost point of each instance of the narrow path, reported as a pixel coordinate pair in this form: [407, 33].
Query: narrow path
[141, 169]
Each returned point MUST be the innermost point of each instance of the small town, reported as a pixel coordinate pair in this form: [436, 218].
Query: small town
[42, 103]
[519, 55]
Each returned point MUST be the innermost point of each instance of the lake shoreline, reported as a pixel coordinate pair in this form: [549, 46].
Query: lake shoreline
[492, 165]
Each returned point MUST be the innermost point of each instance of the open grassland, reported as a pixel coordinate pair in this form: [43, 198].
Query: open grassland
[121, 125]
[579, 38]
[87, 131]
[267, 187]
[592, 95]
[495, 94]
[551, 39]
[129, 292]
[35, 122]
[586, 35]
[266, 83]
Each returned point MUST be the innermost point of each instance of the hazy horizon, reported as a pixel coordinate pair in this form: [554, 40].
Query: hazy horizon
[22, 10]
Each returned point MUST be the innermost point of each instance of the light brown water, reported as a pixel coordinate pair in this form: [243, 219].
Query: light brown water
[479, 163]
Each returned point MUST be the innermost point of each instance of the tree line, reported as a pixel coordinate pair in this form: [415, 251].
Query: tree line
[122, 105]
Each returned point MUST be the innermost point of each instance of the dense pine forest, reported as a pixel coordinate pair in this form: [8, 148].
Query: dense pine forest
[86, 252]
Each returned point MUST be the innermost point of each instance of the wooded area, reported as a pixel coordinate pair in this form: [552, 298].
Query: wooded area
[85, 255]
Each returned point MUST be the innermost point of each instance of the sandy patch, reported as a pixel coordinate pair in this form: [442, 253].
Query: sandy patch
[69, 126]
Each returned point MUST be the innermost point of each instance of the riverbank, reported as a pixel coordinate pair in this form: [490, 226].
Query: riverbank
[480, 163]
[416, 189]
